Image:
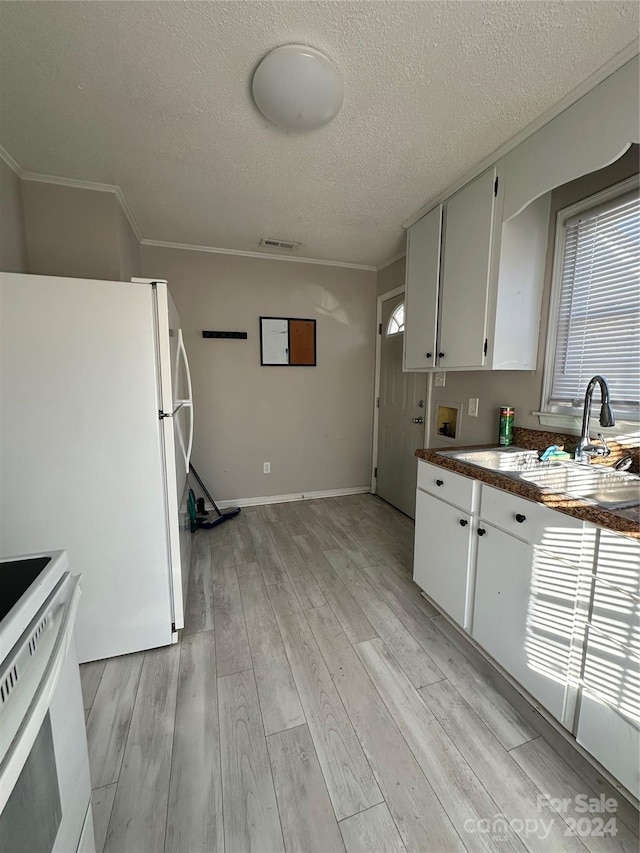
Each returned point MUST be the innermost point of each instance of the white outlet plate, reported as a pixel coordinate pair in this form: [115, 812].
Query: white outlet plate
[441, 378]
[472, 409]
[266, 467]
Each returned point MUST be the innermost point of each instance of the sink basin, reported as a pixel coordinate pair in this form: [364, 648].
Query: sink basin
[594, 483]
[510, 460]
[610, 489]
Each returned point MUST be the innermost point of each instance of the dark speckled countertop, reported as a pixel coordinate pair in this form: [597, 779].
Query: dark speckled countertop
[625, 521]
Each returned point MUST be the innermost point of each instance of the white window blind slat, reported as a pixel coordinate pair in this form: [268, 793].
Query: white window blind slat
[599, 306]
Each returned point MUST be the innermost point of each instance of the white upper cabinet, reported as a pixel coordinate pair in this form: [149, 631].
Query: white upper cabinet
[421, 291]
[465, 274]
[447, 281]
[474, 285]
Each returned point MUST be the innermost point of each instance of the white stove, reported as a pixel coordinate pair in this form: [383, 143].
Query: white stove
[45, 790]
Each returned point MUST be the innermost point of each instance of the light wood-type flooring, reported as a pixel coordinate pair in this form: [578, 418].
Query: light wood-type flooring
[316, 702]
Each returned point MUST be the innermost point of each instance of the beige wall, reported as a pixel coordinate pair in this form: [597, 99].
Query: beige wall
[519, 388]
[313, 424]
[13, 244]
[79, 232]
[391, 277]
[71, 231]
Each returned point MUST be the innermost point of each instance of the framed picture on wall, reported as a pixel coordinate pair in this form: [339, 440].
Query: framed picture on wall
[287, 342]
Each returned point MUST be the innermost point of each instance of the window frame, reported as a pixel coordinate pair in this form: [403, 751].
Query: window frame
[566, 416]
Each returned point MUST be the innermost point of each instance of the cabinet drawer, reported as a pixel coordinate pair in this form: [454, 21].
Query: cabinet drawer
[534, 523]
[446, 485]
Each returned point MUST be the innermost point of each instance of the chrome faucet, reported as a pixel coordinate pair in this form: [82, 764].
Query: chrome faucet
[585, 449]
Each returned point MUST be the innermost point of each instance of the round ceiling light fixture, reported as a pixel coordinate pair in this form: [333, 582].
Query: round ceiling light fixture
[297, 87]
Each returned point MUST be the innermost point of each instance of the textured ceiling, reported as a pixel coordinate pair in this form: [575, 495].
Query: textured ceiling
[155, 97]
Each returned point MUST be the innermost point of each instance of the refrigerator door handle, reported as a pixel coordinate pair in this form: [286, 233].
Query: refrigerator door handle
[182, 353]
[186, 403]
[187, 458]
[182, 404]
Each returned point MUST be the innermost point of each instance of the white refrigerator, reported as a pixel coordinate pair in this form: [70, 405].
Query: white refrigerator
[96, 429]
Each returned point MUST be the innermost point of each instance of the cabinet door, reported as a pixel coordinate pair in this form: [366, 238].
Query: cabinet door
[421, 291]
[524, 613]
[441, 557]
[609, 715]
[611, 738]
[465, 275]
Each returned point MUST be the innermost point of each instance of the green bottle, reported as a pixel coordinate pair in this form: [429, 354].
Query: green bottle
[507, 415]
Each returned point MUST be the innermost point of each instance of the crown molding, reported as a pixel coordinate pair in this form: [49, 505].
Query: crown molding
[88, 185]
[392, 260]
[610, 67]
[69, 182]
[161, 244]
[11, 163]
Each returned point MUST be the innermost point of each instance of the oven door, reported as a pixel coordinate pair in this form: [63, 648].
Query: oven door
[44, 773]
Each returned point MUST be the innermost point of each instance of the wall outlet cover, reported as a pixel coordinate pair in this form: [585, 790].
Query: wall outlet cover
[441, 378]
[266, 467]
[472, 409]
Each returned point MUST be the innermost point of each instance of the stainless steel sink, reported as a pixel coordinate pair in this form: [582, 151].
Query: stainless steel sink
[593, 483]
[611, 489]
[510, 460]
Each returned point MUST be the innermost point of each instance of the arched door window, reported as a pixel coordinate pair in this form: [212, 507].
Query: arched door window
[396, 321]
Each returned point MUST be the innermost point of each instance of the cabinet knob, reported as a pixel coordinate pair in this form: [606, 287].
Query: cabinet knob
[439, 482]
[440, 355]
[463, 522]
[481, 531]
[520, 518]
[429, 355]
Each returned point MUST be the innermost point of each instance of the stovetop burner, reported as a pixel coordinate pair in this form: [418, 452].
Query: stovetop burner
[16, 576]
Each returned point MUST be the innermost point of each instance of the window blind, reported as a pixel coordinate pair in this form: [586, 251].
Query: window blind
[599, 312]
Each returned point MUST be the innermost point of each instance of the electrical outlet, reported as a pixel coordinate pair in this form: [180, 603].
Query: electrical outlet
[472, 409]
[266, 467]
[440, 379]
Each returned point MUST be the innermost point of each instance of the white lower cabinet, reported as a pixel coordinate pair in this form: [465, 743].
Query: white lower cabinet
[524, 613]
[441, 555]
[555, 602]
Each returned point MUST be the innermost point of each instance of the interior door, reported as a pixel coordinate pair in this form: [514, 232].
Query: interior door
[401, 414]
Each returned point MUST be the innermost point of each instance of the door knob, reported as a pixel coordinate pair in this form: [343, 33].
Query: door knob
[418, 420]
[440, 355]
[481, 531]
[429, 355]
[463, 522]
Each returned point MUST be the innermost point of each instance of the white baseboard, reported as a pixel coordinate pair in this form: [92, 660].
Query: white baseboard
[301, 496]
